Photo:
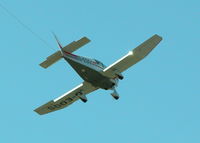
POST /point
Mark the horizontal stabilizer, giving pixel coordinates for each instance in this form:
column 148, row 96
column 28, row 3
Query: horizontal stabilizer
column 69, row 48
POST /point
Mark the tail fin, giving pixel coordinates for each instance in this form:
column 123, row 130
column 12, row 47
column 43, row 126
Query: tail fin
column 59, row 45
column 73, row 46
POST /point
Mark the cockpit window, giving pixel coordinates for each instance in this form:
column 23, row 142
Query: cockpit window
column 99, row 63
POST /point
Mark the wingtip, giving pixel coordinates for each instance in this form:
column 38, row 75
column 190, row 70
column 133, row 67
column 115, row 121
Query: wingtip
column 37, row 112
column 158, row 36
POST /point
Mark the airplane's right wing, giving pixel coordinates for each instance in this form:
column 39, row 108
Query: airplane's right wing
column 132, row 57
column 73, row 46
column 66, row 99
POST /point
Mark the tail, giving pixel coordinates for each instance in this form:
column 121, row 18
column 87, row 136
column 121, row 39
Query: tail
column 58, row 42
column 73, row 46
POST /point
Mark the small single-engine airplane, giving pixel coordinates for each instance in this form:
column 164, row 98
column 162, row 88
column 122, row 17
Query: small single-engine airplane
column 94, row 73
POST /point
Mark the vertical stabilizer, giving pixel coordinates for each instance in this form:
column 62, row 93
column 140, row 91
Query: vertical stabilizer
column 58, row 42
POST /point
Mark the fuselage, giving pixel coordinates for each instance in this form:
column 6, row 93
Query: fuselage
column 90, row 70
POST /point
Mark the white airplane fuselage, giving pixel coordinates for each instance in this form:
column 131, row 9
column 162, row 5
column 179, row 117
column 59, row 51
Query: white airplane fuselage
column 90, row 70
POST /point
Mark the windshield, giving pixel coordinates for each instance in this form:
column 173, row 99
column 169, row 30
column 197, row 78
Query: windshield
column 100, row 63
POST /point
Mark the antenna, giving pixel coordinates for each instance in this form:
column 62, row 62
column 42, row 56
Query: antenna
column 24, row 25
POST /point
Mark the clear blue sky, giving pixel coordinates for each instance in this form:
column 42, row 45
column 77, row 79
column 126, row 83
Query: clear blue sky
column 159, row 96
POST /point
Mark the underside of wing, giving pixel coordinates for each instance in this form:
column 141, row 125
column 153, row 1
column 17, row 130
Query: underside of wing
column 66, row 99
column 132, row 57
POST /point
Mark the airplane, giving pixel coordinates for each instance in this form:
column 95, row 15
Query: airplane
column 94, row 73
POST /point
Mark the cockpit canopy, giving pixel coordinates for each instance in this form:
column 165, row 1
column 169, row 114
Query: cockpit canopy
column 99, row 63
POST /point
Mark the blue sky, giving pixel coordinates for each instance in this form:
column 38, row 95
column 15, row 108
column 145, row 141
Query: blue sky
column 159, row 96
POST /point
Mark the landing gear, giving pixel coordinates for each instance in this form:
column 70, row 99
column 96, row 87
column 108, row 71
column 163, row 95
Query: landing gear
column 118, row 74
column 113, row 84
column 82, row 96
column 83, row 99
column 120, row 77
column 115, row 94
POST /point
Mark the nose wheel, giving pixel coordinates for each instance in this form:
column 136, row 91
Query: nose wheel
column 115, row 95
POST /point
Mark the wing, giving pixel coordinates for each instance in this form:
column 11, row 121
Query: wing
column 66, row 99
column 73, row 46
column 132, row 57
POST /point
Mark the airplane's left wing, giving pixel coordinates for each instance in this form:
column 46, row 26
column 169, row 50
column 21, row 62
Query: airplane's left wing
column 132, row 57
column 66, row 99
